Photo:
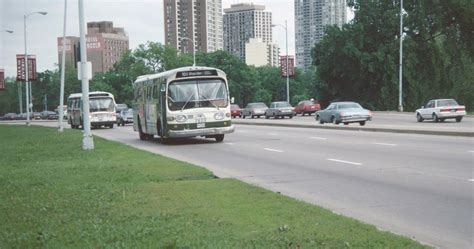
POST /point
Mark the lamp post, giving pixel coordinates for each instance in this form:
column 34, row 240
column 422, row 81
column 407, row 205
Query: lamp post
column 400, row 101
column 63, row 69
column 28, row 105
column 194, row 49
column 20, row 97
column 287, row 72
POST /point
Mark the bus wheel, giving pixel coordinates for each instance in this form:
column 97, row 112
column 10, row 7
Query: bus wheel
column 142, row 135
column 111, row 126
column 219, row 138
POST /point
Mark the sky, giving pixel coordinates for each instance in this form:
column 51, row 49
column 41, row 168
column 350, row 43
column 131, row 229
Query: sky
column 141, row 19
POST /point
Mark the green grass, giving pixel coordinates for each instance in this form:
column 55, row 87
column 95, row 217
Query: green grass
column 55, row 195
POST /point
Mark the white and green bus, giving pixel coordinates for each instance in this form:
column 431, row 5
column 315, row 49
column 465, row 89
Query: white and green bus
column 101, row 110
column 184, row 102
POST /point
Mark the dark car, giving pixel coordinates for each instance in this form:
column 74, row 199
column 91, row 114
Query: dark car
column 279, row 109
column 125, row 117
column 254, row 110
column 235, row 111
column 48, row 115
column 343, row 112
column 10, row 116
column 307, row 107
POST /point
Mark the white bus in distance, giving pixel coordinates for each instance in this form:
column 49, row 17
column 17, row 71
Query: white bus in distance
column 101, row 110
column 183, row 102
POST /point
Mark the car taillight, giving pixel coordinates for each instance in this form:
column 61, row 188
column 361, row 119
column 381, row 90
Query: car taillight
column 444, row 110
column 461, row 109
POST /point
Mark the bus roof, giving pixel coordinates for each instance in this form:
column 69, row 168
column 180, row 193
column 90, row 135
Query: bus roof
column 91, row 94
column 173, row 72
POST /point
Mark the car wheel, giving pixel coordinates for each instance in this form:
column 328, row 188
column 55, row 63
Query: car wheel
column 291, row 116
column 346, row 123
column 318, row 118
column 458, row 119
column 243, row 116
column 302, row 114
column 441, row 119
column 435, row 117
column 219, row 138
column 334, row 120
column 266, row 116
column 419, row 118
column 251, row 115
column 362, row 123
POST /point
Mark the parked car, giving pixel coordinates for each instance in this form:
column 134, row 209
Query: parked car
column 48, row 115
column 254, row 110
column 279, row 109
column 125, row 117
column 36, row 115
column 235, row 111
column 343, row 112
column 10, row 116
column 441, row 109
column 307, row 107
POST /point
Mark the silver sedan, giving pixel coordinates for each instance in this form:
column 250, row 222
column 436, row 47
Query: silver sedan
column 343, row 112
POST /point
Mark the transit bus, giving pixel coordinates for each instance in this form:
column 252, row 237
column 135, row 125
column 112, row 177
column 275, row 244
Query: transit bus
column 101, row 110
column 183, row 102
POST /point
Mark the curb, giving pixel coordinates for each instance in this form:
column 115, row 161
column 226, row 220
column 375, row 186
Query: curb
column 422, row 132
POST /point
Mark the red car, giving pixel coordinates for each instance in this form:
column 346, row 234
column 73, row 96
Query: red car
column 306, row 107
column 235, row 111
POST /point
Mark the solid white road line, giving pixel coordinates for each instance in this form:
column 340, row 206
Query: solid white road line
column 385, row 144
column 229, row 143
column 318, row 138
column 272, row 150
column 342, row 161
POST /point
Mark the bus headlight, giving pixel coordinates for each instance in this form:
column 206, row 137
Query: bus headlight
column 181, row 118
column 219, row 116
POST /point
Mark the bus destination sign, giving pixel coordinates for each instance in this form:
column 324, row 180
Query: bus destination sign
column 196, row 73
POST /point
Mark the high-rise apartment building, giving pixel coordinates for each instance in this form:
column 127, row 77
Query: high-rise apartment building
column 105, row 44
column 244, row 21
column 198, row 20
column 311, row 18
column 258, row 53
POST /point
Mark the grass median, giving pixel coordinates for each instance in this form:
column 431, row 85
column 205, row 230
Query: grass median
column 53, row 194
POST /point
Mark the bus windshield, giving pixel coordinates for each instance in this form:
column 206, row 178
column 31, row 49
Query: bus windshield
column 197, row 94
column 101, row 105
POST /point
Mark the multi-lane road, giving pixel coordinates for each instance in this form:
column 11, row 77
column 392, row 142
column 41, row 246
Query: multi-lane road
column 420, row 186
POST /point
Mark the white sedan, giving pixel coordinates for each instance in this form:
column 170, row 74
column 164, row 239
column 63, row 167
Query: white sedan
column 441, row 109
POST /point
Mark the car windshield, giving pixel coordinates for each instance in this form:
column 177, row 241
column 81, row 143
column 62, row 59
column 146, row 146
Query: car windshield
column 308, row 102
column 197, row 94
column 447, row 102
column 101, row 105
column 257, row 105
column 129, row 113
column 282, row 104
column 349, row 105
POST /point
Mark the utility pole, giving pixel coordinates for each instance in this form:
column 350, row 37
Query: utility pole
column 400, row 95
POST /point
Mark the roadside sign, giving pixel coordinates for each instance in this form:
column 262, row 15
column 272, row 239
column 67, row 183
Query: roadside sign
column 20, row 67
column 291, row 66
column 88, row 69
column 2, row 79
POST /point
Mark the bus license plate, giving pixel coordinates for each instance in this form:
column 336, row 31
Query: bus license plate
column 201, row 122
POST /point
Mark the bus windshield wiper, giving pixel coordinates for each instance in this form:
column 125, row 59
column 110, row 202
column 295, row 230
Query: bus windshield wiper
column 208, row 100
column 187, row 101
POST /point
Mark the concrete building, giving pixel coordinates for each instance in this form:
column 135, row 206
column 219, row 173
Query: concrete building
column 243, row 22
column 105, row 45
column 199, row 20
column 259, row 53
column 311, row 18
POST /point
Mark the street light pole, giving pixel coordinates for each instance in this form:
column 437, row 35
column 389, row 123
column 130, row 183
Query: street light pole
column 194, row 49
column 63, row 69
column 87, row 141
column 287, row 73
column 28, row 105
column 400, row 99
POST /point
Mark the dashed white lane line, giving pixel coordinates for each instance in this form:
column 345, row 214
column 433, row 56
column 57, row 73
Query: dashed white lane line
column 272, row 134
column 272, row 150
column 318, row 138
column 229, row 143
column 342, row 161
column 471, row 180
column 385, row 144
column 471, row 151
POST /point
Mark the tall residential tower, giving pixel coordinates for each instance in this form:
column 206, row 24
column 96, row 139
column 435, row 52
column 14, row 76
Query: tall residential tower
column 249, row 26
column 198, row 20
column 311, row 18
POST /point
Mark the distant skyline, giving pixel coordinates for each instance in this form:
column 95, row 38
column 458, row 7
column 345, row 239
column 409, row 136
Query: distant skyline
column 142, row 21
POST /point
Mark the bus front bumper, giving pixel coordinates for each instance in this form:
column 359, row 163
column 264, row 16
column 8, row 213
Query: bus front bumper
column 201, row 132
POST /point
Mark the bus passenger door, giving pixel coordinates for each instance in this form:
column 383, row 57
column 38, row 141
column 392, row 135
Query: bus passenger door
column 162, row 111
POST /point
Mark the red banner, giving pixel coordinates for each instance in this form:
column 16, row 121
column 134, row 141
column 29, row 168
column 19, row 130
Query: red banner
column 20, row 67
column 283, row 66
column 2, row 80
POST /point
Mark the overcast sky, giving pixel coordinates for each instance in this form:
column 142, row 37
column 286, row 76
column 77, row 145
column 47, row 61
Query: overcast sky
column 141, row 19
